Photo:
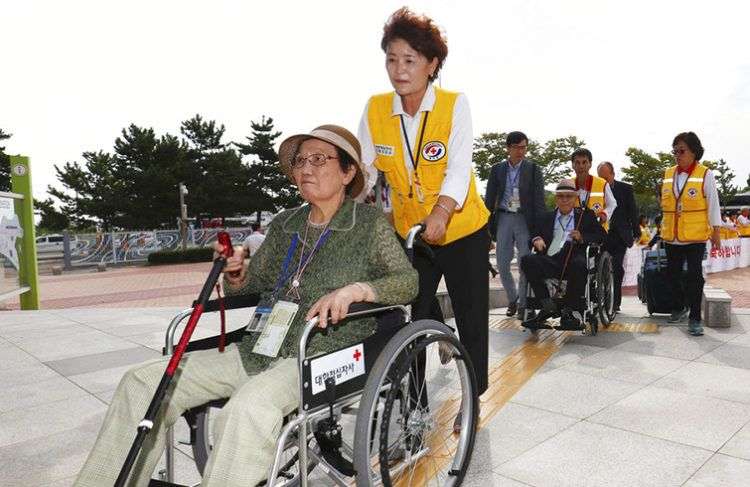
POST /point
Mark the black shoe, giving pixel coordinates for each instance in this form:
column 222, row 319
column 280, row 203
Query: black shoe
column 512, row 309
column 531, row 314
column 678, row 316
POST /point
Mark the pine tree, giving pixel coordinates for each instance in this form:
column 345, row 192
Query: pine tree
column 724, row 177
column 4, row 164
column 268, row 184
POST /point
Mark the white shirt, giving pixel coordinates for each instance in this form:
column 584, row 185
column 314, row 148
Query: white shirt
column 610, row 202
column 564, row 224
column 742, row 220
column 252, row 242
column 712, row 198
column 460, row 144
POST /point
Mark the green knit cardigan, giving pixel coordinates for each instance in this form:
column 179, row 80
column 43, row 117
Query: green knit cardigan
column 362, row 247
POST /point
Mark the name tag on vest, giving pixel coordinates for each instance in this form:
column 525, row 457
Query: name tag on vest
column 384, row 150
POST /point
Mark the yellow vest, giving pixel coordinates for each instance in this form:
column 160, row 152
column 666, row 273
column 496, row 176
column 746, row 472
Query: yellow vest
column 691, row 223
column 596, row 201
column 385, row 130
column 744, row 230
column 645, row 237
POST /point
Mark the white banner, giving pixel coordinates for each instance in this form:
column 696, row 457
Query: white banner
column 734, row 253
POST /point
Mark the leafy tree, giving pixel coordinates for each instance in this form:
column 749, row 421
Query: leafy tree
column 645, row 174
column 4, row 164
column 268, row 184
column 724, row 177
column 51, row 219
column 552, row 156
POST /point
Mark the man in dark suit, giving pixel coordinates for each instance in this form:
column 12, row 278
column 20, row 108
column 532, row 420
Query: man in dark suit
column 557, row 237
column 624, row 228
column 515, row 194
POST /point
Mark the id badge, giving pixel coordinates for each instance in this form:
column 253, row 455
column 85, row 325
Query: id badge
column 276, row 328
column 259, row 319
column 515, row 200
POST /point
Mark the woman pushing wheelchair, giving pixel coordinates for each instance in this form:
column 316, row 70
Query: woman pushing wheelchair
column 316, row 260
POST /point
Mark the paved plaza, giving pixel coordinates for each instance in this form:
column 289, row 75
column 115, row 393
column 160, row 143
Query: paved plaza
column 640, row 404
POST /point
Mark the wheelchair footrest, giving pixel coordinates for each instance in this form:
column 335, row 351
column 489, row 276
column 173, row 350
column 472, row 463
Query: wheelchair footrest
column 162, row 483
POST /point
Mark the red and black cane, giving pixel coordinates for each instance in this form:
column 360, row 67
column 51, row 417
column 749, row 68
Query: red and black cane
column 147, row 424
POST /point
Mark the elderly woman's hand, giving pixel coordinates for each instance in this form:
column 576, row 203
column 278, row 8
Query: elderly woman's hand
column 234, row 269
column 336, row 304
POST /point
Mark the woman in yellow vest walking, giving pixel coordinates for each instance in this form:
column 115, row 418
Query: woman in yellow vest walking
column 420, row 137
column 690, row 205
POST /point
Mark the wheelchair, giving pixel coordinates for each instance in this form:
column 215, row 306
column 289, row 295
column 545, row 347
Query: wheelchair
column 387, row 420
column 595, row 307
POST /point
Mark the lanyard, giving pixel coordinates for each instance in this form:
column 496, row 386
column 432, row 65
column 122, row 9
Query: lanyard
column 589, row 184
column 518, row 173
column 304, row 259
column 414, row 162
column 565, row 228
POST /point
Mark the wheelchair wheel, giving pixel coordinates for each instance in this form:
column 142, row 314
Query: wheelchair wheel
column 605, row 289
column 202, row 440
column 413, row 399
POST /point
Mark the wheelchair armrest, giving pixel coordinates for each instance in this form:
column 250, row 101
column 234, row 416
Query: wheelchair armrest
column 356, row 310
column 232, row 302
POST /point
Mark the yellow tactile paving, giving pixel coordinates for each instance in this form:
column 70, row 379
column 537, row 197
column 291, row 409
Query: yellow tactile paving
column 505, row 379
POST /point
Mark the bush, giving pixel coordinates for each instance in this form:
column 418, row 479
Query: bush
column 197, row 254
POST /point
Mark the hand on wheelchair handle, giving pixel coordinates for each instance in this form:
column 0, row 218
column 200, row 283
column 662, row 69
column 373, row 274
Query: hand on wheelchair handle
column 435, row 226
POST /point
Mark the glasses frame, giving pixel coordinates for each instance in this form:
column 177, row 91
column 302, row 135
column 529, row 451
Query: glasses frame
column 299, row 161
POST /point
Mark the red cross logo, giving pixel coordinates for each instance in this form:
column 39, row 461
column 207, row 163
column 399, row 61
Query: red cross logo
column 357, row 355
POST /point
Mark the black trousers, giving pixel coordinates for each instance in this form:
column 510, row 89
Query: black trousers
column 617, row 251
column 539, row 267
column 463, row 263
column 687, row 288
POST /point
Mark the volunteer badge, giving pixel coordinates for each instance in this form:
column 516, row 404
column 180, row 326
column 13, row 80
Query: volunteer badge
column 433, row 151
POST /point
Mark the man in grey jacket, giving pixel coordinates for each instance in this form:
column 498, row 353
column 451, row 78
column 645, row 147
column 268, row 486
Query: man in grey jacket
column 515, row 193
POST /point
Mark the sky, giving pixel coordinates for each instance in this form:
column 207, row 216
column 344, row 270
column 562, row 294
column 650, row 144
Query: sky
column 614, row 73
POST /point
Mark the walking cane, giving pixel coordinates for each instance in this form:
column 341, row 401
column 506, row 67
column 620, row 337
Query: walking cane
column 145, row 426
column 570, row 251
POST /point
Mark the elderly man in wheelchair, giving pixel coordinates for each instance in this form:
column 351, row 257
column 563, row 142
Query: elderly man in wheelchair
column 316, row 356
column 569, row 275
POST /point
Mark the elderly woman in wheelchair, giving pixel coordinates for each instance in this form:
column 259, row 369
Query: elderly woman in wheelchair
column 569, row 259
column 316, row 262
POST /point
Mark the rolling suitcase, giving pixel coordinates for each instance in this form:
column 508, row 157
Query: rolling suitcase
column 654, row 287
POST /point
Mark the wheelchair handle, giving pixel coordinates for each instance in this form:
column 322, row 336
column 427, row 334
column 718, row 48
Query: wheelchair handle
column 413, row 233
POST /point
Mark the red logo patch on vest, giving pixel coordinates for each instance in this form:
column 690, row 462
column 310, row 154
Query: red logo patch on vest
column 433, row 151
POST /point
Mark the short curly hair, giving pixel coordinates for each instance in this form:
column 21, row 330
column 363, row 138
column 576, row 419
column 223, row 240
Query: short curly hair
column 692, row 141
column 420, row 32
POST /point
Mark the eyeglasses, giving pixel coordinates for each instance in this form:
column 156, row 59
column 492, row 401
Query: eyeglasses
column 678, row 152
column 316, row 160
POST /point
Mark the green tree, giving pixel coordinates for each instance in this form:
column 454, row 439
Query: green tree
column 4, row 164
column 724, row 177
column 217, row 178
column 268, row 184
column 133, row 187
column 51, row 219
column 553, row 156
column 645, row 173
